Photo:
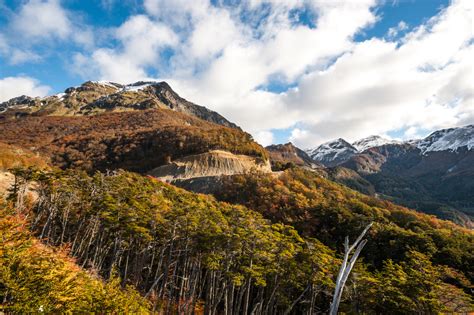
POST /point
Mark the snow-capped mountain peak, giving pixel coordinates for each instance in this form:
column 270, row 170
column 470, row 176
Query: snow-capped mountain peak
column 450, row 139
column 332, row 152
column 371, row 142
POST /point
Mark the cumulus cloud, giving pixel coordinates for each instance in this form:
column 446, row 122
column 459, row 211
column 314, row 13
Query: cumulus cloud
column 230, row 58
column 38, row 24
column 264, row 137
column 14, row 86
column 394, row 31
column 227, row 57
column 42, row 19
column 141, row 40
column 251, row 55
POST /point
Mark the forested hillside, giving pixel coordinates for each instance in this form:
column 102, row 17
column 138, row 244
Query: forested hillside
column 319, row 208
column 185, row 251
column 36, row 278
column 133, row 140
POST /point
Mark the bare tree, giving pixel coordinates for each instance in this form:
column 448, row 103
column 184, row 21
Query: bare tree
column 347, row 267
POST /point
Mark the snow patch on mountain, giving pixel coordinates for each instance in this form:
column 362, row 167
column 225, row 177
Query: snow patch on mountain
column 108, row 83
column 137, row 86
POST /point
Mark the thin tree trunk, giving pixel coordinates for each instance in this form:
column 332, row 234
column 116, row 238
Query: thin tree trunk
column 347, row 267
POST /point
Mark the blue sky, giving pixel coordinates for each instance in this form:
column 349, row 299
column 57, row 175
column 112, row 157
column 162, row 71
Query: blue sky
column 301, row 71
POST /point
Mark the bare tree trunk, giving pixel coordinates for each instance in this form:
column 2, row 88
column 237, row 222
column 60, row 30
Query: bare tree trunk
column 347, row 267
column 288, row 310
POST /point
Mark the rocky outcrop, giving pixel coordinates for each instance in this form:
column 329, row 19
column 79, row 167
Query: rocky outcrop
column 6, row 181
column 211, row 164
column 285, row 154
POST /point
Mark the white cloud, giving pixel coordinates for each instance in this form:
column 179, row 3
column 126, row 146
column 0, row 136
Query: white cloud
column 14, row 86
column 394, row 31
column 264, row 137
column 230, row 82
column 16, row 55
column 141, row 43
column 37, row 27
column 42, row 19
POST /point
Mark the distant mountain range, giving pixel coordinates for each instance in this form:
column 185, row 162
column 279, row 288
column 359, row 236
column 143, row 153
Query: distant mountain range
column 336, row 152
column 434, row 174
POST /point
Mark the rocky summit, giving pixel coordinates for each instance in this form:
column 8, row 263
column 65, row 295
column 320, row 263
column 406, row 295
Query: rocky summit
column 94, row 97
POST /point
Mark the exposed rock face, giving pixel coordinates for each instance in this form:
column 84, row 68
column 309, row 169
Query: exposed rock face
column 97, row 97
column 6, row 181
column 281, row 154
column 213, row 163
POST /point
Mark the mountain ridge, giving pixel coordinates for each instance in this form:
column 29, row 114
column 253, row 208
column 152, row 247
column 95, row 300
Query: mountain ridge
column 93, row 97
column 338, row 151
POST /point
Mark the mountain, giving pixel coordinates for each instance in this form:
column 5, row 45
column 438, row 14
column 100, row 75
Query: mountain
column 452, row 139
column 338, row 151
column 94, row 97
column 285, row 154
column 370, row 142
column 434, row 175
column 137, row 127
column 332, row 153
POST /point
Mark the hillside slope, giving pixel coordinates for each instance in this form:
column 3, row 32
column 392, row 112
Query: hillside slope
column 134, row 140
column 186, row 249
column 35, row 278
column 436, row 182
